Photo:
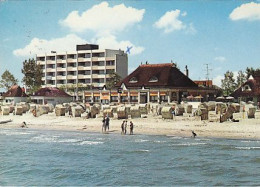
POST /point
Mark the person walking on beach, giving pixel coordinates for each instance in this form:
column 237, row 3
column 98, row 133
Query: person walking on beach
column 107, row 123
column 193, row 134
column 103, row 124
column 131, row 128
column 123, row 127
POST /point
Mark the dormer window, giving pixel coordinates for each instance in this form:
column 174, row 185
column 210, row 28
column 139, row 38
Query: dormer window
column 153, row 79
column 133, row 80
column 246, row 88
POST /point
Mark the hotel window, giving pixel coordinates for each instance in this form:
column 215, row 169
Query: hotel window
column 133, row 80
column 153, row 98
column 134, row 98
column 153, row 79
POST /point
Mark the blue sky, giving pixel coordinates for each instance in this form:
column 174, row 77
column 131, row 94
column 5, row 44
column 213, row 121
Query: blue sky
column 223, row 34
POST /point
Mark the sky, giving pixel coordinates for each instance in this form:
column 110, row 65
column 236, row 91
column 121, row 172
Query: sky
column 223, row 34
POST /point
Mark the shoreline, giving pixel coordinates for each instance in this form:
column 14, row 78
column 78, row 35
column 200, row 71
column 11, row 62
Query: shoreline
column 245, row 129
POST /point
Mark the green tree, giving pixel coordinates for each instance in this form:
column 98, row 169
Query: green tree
column 241, row 78
column 252, row 71
column 228, row 84
column 7, row 80
column 114, row 78
column 32, row 75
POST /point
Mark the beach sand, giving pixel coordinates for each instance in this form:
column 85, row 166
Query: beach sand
column 152, row 125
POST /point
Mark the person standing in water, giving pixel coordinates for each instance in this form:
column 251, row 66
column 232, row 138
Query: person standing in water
column 131, row 128
column 103, row 124
column 123, row 127
column 107, row 122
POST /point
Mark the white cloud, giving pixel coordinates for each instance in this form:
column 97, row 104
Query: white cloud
column 69, row 42
column 110, row 42
column 103, row 19
column 170, row 21
column 36, row 46
column 220, row 59
column 217, row 80
column 248, row 11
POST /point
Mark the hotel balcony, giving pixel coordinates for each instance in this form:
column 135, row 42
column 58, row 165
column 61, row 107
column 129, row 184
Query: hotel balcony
column 110, row 58
column 61, row 77
column 60, row 61
column 71, row 60
column 51, row 62
column 51, row 69
column 71, row 76
column 40, row 62
column 84, row 67
column 84, row 76
column 61, row 69
column 96, row 84
column 83, row 59
column 98, row 76
column 94, row 58
column 72, row 68
column 111, row 67
column 98, row 67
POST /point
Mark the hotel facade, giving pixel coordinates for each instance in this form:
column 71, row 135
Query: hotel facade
column 88, row 65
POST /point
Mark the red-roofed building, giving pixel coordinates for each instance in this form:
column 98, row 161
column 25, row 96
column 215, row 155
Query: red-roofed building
column 15, row 95
column 249, row 91
column 51, row 95
column 155, row 83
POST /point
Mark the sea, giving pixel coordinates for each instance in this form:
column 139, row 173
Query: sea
column 30, row 157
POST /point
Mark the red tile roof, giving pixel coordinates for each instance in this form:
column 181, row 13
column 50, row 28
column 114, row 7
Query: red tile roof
column 15, row 91
column 254, row 85
column 167, row 74
column 51, row 92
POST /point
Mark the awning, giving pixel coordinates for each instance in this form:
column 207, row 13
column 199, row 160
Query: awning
column 123, row 94
column 133, row 93
column 153, row 93
column 106, row 97
column 114, row 94
column 162, row 93
column 96, row 94
column 88, row 94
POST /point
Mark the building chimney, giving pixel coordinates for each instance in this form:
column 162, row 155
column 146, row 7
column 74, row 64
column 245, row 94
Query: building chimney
column 186, row 71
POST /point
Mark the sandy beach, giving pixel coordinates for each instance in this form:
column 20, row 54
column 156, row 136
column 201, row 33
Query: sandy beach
column 152, row 125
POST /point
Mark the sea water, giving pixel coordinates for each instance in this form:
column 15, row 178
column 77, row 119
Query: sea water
column 38, row 157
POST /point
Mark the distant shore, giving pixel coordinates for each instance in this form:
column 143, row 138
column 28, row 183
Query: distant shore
column 152, row 125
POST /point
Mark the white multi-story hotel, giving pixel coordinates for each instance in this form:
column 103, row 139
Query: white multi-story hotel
column 88, row 65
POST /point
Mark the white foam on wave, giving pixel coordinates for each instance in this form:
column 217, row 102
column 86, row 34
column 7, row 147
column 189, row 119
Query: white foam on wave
column 43, row 139
column 249, row 141
column 189, row 144
column 247, row 148
column 158, row 141
column 90, row 143
column 141, row 140
column 12, row 133
column 143, row 150
column 68, row 141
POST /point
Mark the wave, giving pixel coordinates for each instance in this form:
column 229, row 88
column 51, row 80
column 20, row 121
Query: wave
column 141, row 140
column 247, row 148
column 13, row 133
column 189, row 144
column 90, row 143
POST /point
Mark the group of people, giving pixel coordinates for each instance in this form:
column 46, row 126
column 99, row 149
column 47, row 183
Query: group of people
column 124, row 127
column 105, row 124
